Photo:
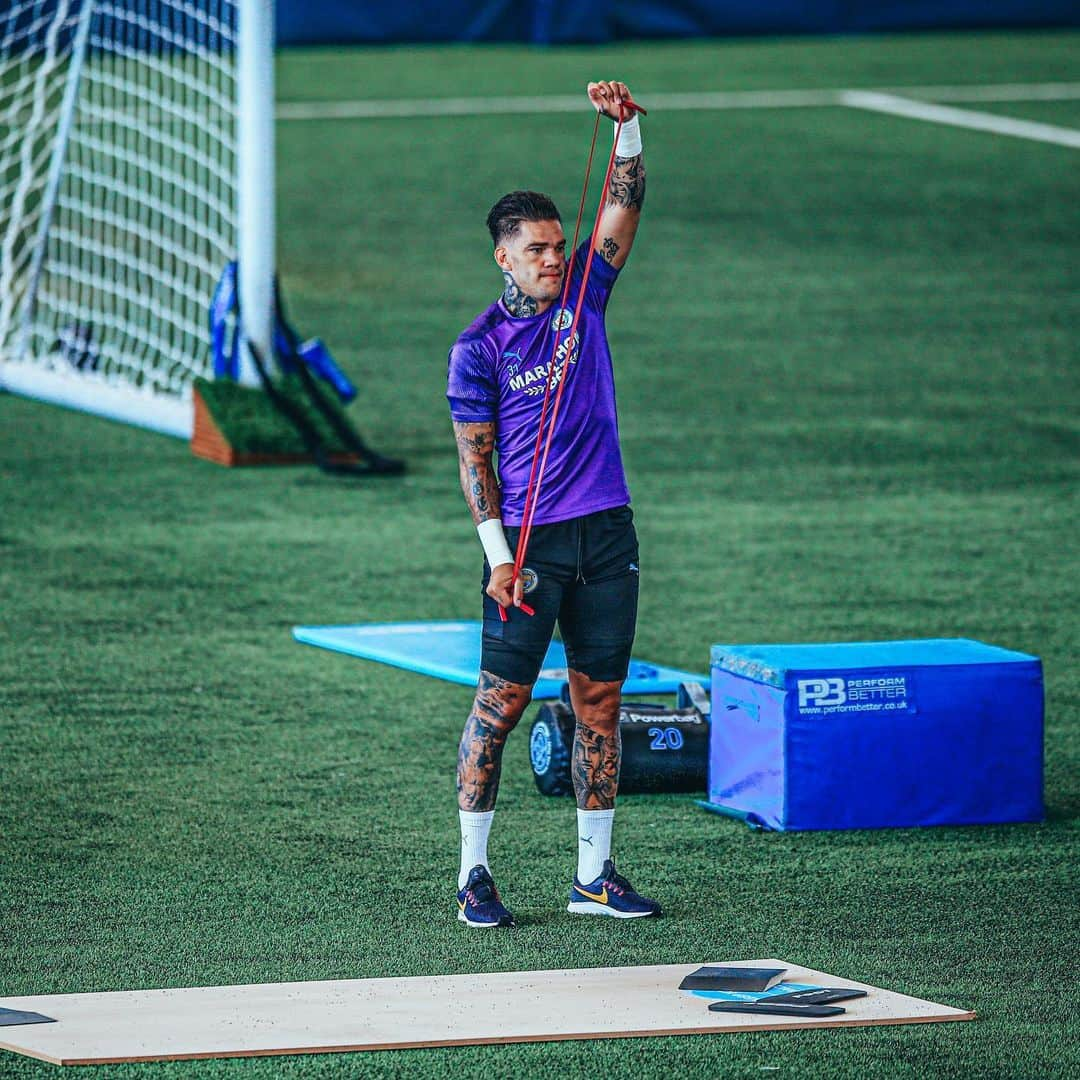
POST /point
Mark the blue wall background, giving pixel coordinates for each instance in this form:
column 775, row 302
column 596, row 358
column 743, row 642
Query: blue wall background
column 545, row 22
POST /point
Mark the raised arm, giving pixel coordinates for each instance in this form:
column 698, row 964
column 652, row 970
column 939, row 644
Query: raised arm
column 626, row 191
column 480, row 485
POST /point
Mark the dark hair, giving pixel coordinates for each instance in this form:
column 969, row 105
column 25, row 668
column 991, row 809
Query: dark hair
column 511, row 210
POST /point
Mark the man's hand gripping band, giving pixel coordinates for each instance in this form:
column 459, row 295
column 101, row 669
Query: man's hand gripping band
column 500, row 559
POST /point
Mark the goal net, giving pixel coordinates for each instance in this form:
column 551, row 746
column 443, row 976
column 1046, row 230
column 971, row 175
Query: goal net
column 118, row 199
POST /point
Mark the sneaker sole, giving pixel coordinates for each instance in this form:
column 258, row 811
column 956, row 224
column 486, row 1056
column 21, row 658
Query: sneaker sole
column 590, row 907
column 481, row 925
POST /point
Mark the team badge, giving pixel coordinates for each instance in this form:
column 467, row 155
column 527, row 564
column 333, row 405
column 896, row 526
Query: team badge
column 562, row 319
column 529, row 580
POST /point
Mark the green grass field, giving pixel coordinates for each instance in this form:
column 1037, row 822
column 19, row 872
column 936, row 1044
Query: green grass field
column 846, row 350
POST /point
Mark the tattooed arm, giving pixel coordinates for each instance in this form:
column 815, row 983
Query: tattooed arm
column 626, row 190
column 622, row 211
column 476, row 444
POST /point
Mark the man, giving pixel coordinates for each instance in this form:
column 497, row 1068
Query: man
column 582, row 559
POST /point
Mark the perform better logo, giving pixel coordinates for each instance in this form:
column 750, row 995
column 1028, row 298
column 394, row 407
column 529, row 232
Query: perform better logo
column 827, row 695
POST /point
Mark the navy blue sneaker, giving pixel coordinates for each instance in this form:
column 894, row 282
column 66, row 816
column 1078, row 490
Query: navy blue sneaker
column 610, row 894
column 479, row 904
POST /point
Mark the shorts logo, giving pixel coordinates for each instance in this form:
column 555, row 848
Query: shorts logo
column 529, row 580
column 562, row 319
column 633, row 568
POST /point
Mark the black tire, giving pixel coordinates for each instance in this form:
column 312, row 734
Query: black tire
column 663, row 749
column 550, row 740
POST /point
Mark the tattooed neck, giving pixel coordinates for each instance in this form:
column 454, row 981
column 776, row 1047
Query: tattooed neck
column 517, row 303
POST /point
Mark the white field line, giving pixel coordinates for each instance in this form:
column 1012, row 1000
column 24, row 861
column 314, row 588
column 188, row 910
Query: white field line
column 553, row 103
column 964, row 118
column 991, row 92
column 370, row 109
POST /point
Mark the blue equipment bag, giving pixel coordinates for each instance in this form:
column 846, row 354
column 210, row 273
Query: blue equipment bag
column 875, row 734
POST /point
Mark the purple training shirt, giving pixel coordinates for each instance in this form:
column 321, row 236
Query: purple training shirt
column 498, row 372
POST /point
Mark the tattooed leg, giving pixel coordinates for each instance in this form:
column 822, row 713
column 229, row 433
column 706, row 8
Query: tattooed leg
column 496, row 710
column 597, row 742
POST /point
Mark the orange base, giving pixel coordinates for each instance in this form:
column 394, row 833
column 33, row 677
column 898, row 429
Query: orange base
column 209, row 443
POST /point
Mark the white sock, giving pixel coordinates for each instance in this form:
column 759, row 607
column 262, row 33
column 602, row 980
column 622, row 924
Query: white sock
column 594, row 843
column 474, row 836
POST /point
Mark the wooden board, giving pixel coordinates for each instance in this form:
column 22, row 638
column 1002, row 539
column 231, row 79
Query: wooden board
column 440, row 1010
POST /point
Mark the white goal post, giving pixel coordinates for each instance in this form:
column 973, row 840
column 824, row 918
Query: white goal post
column 136, row 160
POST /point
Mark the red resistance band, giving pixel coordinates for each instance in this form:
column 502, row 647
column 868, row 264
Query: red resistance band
column 543, row 446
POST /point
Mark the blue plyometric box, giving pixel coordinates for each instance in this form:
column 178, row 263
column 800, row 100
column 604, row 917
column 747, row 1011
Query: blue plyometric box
column 874, row 734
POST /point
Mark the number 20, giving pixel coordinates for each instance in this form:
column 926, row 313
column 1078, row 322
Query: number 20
column 665, row 738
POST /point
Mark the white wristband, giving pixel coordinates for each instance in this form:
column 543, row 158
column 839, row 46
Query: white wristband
column 493, row 538
column 629, row 144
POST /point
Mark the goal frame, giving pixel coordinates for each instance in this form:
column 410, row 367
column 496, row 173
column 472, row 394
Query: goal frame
column 114, row 398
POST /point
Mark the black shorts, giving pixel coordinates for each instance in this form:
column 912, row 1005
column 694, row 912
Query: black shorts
column 582, row 573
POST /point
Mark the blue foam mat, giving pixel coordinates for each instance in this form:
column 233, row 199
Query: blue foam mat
column 451, row 651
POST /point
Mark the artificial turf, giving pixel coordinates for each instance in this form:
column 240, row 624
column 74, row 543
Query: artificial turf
column 250, row 421
column 847, row 371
